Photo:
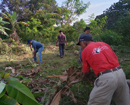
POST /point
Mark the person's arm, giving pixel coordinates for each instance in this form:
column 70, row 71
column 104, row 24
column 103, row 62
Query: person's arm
column 57, row 41
column 85, row 75
column 85, row 66
column 31, row 47
column 66, row 41
column 34, row 53
column 34, row 47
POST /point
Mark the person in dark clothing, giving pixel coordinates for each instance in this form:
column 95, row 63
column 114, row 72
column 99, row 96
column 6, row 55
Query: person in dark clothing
column 62, row 40
column 86, row 32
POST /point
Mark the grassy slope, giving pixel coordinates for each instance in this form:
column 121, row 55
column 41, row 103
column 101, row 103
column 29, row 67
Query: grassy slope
column 54, row 65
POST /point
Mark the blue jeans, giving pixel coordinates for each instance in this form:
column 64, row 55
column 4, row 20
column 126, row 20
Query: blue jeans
column 61, row 49
column 39, row 54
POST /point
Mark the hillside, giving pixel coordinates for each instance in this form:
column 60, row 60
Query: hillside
column 19, row 57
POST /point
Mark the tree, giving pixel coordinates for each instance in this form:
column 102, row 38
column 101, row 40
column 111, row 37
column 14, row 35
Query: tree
column 70, row 10
column 97, row 25
column 122, row 27
column 47, row 19
column 80, row 25
column 116, row 12
column 13, row 21
column 25, row 9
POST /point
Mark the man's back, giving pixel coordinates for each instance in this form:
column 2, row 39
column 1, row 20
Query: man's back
column 100, row 57
column 36, row 44
column 61, row 38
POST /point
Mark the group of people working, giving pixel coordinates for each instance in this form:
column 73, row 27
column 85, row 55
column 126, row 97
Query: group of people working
column 38, row 47
column 111, row 80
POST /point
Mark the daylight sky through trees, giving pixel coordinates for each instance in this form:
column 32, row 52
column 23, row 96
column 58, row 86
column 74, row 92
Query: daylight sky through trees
column 97, row 7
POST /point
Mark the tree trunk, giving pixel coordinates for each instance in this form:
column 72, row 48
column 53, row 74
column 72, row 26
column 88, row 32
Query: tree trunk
column 15, row 36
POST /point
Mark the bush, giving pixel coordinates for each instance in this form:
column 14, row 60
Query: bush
column 122, row 27
column 109, row 37
column 3, row 48
column 9, row 46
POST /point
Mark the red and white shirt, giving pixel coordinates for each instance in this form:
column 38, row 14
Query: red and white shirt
column 99, row 56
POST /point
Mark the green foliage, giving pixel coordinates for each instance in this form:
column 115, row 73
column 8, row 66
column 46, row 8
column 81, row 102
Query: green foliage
column 3, row 48
column 31, row 31
column 27, row 8
column 72, row 32
column 109, row 37
column 6, row 100
column 44, row 18
column 2, row 28
column 122, row 27
column 118, row 19
column 2, row 86
column 3, row 93
column 97, row 26
column 9, row 46
column 24, row 96
column 115, row 12
column 12, row 18
column 39, row 30
column 16, row 91
column 71, row 9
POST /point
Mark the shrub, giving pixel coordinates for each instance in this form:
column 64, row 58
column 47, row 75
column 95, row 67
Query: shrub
column 3, row 48
column 109, row 37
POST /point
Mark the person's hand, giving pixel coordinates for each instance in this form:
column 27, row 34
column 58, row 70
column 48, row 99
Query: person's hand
column 66, row 48
column 33, row 57
column 85, row 75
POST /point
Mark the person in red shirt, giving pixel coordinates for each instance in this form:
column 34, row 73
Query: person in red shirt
column 111, row 81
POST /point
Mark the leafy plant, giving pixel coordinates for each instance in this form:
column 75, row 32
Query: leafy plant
column 13, row 21
column 109, row 37
column 13, row 92
column 32, row 64
column 2, row 28
column 12, row 18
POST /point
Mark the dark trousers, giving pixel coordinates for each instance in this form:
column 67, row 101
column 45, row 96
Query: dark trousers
column 80, row 58
column 61, row 49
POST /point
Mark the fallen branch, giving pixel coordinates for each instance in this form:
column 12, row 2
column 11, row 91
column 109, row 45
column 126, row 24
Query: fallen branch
column 53, row 76
column 69, row 78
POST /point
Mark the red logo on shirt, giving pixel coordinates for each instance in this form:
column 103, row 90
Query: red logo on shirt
column 98, row 50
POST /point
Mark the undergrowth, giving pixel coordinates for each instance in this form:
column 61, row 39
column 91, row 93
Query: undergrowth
column 14, row 55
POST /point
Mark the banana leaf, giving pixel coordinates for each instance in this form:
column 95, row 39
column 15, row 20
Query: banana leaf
column 2, row 86
column 14, row 17
column 6, row 100
column 2, row 30
column 2, row 74
column 20, row 93
column 3, row 22
column 2, row 93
